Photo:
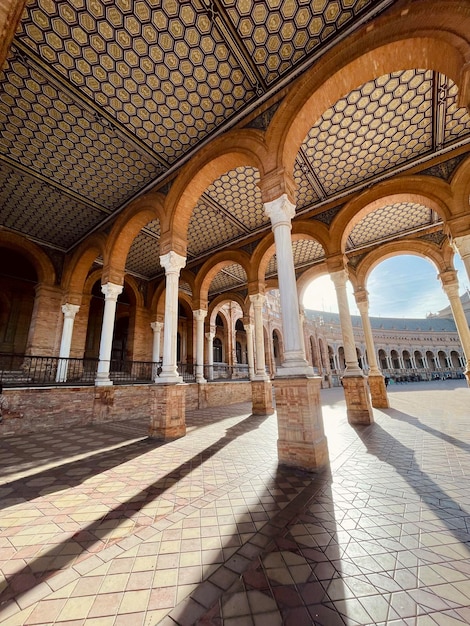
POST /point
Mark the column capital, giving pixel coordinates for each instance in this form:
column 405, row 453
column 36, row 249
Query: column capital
column 172, row 262
column 361, row 296
column 200, row 315
column 210, row 336
column 156, row 326
column 70, row 310
column 111, row 290
column 461, row 245
column 339, row 277
column 257, row 299
column 248, row 328
column 280, row 211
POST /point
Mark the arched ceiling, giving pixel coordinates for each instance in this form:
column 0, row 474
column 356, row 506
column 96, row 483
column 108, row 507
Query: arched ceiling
column 101, row 101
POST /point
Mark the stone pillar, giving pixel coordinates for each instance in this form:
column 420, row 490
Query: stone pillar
column 281, row 211
column 210, row 355
column 111, row 293
column 172, row 262
column 200, row 316
column 69, row 311
column 462, row 247
column 450, row 284
column 376, row 380
column 359, row 409
column 249, row 350
column 168, row 412
column 157, row 334
column 257, row 300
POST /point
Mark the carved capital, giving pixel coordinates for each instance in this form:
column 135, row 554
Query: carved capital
column 172, row 262
column 280, row 211
column 70, row 310
column 111, row 291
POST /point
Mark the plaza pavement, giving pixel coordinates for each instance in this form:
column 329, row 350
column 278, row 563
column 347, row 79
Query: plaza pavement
column 100, row 526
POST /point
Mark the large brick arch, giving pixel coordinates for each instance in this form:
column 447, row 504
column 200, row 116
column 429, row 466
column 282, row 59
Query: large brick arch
column 78, row 267
column 441, row 258
column 429, row 34
column 37, row 257
column 210, row 269
column 460, row 186
column 425, row 190
column 234, row 149
column 127, row 226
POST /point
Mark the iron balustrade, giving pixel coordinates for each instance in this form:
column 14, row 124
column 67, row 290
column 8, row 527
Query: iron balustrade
column 223, row 371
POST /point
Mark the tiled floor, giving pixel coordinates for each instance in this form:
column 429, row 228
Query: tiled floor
column 100, row 526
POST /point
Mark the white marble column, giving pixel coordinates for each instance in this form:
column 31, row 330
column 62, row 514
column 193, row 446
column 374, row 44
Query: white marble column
column 111, row 292
column 69, row 311
column 450, row 284
column 339, row 279
column 200, row 316
column 172, row 262
column 249, row 350
column 462, row 247
column 362, row 302
column 281, row 211
column 157, row 334
column 210, row 354
column 257, row 300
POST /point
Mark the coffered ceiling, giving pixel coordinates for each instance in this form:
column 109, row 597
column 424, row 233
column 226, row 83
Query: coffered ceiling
column 102, row 100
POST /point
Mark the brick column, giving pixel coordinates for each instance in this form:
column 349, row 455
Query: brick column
column 168, row 411
column 378, row 390
column 359, row 409
column 111, row 293
column 43, row 337
column 69, row 311
column 172, row 262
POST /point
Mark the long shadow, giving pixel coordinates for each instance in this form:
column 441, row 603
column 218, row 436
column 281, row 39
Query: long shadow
column 388, row 449
column 31, row 575
column 414, row 421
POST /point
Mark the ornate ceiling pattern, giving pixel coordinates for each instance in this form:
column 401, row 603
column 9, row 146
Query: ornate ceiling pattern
column 102, row 100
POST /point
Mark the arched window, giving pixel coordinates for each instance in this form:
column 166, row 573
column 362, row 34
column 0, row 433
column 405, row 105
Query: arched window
column 217, row 350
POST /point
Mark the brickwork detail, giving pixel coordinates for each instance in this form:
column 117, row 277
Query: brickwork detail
column 168, row 412
column 302, row 442
column 359, row 409
column 378, row 392
column 262, row 397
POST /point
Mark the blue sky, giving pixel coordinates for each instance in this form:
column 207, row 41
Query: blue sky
column 402, row 286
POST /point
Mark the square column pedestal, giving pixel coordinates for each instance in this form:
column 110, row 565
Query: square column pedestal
column 358, row 406
column 302, row 442
column 168, row 412
column 378, row 392
column 262, row 397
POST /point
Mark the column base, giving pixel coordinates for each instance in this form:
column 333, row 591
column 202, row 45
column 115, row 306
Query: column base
column 262, row 397
column 168, row 412
column 103, row 382
column 302, row 442
column 378, row 391
column 358, row 407
column 169, row 379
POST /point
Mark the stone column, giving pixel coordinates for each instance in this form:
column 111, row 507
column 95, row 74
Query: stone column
column 111, row 293
column 249, row 350
column 200, row 316
column 69, row 311
column 281, row 211
column 172, row 262
column 157, row 334
column 359, row 409
column 210, row 354
column 257, row 300
column 377, row 386
column 462, row 247
column 450, row 284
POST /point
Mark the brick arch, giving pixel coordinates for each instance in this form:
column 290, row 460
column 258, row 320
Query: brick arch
column 36, row 256
column 125, row 229
column 399, row 42
column 233, row 149
column 212, row 266
column 91, row 280
column 441, row 258
column 78, row 267
column 426, row 190
column 225, row 298
column 133, row 286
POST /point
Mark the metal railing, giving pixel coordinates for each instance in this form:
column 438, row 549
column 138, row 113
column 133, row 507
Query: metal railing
column 19, row 370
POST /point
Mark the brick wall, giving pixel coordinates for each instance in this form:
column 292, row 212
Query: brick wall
column 33, row 410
